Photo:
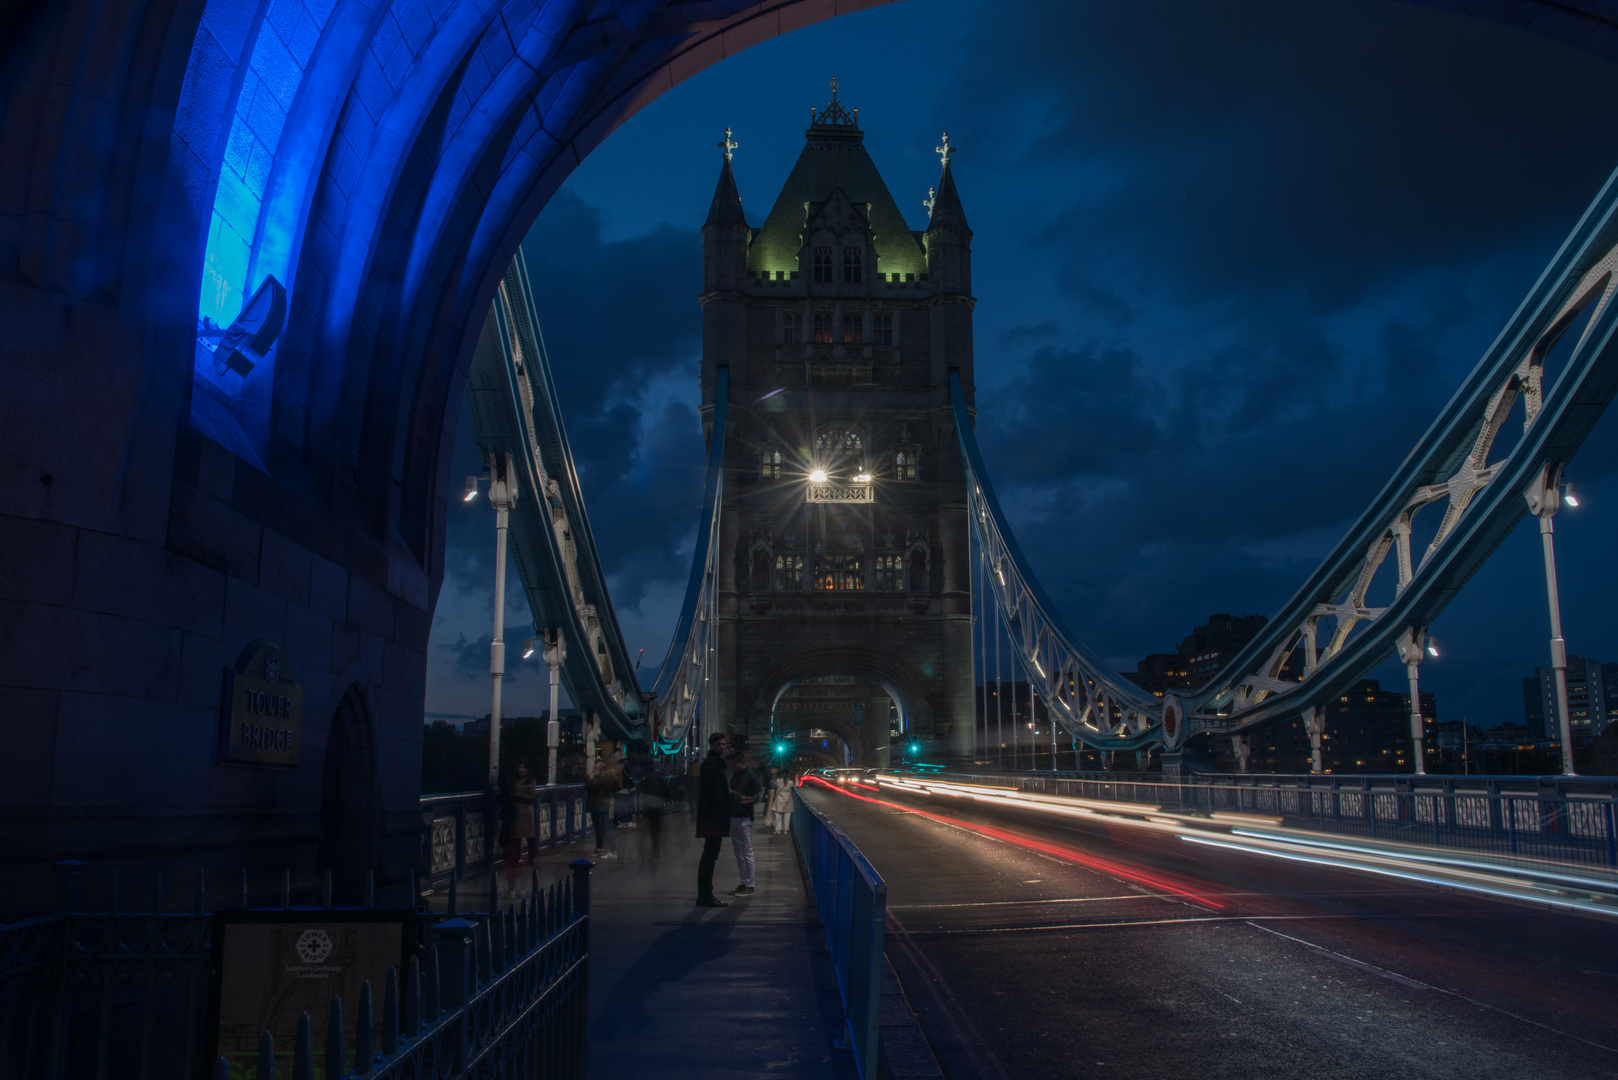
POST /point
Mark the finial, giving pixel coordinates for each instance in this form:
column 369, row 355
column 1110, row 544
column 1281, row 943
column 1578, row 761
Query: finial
column 928, row 201
column 727, row 146
column 944, row 151
column 834, row 88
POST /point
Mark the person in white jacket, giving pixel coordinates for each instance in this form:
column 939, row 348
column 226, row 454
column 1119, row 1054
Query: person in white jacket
column 781, row 805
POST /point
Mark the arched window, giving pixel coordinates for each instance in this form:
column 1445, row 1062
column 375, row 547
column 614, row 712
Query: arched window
column 843, row 570
column 792, row 328
column 852, row 265
column 823, row 327
column 904, row 464
column 853, row 329
column 788, row 573
column 882, row 329
column 890, row 570
column 823, row 265
column 838, row 439
column 769, row 464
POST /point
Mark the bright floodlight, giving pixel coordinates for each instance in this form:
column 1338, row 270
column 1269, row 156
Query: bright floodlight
column 915, row 748
column 471, row 489
column 527, row 648
column 863, row 478
column 1432, row 646
column 1572, row 495
column 817, row 476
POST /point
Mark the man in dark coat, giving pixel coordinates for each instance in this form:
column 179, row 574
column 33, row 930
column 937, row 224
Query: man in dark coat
column 713, row 815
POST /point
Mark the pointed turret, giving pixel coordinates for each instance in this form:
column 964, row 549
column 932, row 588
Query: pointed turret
column 725, row 239
column 948, row 237
column 725, row 235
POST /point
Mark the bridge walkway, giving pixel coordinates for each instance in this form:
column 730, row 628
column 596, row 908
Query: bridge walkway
column 678, row 991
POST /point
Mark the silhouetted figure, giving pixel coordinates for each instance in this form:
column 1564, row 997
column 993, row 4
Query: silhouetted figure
column 713, row 816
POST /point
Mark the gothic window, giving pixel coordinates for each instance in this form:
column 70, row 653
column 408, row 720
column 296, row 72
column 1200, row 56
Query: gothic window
column 838, row 440
column 761, row 570
column 788, row 573
column 823, row 327
column 841, row 571
column 769, row 464
column 882, row 329
column 918, row 571
column 853, row 329
column 852, row 265
column 823, row 265
column 904, row 463
column 792, row 328
column 890, row 573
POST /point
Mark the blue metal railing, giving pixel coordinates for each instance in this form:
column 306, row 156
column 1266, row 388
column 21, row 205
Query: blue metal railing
column 853, row 903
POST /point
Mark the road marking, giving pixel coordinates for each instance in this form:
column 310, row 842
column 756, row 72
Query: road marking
column 1349, row 960
column 1014, row 903
column 1427, row 986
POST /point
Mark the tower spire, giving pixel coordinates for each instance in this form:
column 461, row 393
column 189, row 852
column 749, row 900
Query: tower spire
column 726, row 208
column 944, row 209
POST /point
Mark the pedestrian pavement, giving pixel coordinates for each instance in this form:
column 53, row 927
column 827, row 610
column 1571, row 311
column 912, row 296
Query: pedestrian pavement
column 678, row 991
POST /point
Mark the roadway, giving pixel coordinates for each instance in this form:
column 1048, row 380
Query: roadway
column 1032, row 947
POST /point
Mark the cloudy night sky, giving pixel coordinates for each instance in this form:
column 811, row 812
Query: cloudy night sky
column 1230, row 262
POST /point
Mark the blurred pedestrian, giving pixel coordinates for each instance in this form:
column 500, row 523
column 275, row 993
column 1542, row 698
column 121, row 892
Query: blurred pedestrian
column 713, row 815
column 519, row 824
column 781, row 805
column 744, row 792
column 654, row 796
column 602, row 790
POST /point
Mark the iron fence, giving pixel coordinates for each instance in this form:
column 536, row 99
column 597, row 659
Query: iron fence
column 1564, row 821
column 461, row 830
column 853, row 903
column 113, row 995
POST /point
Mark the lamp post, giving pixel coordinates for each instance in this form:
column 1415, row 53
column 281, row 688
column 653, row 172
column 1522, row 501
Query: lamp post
column 1412, row 647
column 502, row 496
column 555, row 656
column 1544, row 497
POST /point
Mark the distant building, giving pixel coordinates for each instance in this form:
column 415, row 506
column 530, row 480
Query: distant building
column 1201, row 654
column 1592, row 700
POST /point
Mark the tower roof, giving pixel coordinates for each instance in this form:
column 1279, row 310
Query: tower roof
column 834, row 157
column 726, row 208
column 947, row 212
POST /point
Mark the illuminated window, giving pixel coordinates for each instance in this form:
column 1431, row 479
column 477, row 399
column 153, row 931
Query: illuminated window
column 837, row 440
column 852, row 265
column 769, row 465
column 882, row 329
column 853, row 330
column 823, row 265
column 792, row 328
column 844, row 571
column 788, row 573
column 823, row 327
column 890, row 573
column 904, row 464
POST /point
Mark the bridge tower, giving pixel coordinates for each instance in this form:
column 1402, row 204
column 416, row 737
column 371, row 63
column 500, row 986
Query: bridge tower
column 844, row 591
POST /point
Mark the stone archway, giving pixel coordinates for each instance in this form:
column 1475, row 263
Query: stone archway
column 348, row 817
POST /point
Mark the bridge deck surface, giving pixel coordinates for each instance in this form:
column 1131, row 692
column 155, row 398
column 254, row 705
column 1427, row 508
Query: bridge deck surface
column 1045, row 949
column 678, row 991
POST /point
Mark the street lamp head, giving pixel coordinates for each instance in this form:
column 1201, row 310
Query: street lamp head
column 471, row 489
column 817, row 476
column 1571, row 493
column 862, row 478
column 527, row 647
column 1432, row 647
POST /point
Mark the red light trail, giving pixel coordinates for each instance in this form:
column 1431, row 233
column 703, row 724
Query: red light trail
column 1105, row 866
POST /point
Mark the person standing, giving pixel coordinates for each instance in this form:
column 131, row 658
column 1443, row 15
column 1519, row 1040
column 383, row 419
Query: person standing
column 781, row 805
column 654, row 796
column 602, row 790
column 520, row 815
column 744, row 793
column 713, row 816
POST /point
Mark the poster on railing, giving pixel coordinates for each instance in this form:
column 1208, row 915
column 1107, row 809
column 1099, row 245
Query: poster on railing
column 270, row 966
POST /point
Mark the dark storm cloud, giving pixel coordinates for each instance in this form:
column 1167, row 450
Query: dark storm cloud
column 471, row 658
column 1307, row 148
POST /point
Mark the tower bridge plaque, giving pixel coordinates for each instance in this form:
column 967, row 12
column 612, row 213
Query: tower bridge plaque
column 261, row 709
